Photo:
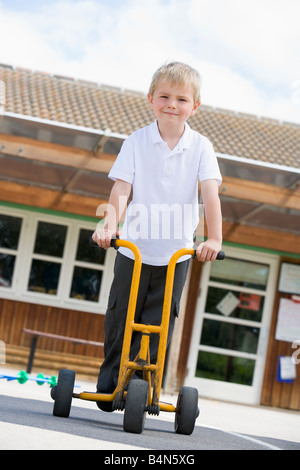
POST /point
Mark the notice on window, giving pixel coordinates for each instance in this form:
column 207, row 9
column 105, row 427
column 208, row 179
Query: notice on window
column 228, row 304
column 289, row 281
column 288, row 322
column 250, row 301
column 286, row 369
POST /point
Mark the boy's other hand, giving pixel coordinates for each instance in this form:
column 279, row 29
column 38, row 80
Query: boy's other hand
column 208, row 250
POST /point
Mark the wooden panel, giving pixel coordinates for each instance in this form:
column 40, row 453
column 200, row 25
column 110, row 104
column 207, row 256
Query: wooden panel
column 100, row 162
column 261, row 192
column 275, row 393
column 49, row 199
column 35, row 173
column 50, row 362
column 262, row 238
column 14, row 316
column 55, row 154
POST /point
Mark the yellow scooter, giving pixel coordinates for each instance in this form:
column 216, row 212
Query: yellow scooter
column 136, row 397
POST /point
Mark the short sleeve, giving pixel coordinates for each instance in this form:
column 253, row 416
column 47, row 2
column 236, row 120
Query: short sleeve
column 123, row 167
column 208, row 165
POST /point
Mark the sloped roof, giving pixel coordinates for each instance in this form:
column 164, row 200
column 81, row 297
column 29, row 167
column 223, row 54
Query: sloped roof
column 87, row 104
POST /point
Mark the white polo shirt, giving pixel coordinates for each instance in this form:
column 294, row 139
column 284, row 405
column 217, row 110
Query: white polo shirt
column 163, row 213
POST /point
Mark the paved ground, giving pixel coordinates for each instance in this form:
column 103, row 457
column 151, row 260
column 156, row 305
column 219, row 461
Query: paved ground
column 26, row 422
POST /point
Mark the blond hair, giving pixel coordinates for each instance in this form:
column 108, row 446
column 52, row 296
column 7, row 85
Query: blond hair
column 177, row 73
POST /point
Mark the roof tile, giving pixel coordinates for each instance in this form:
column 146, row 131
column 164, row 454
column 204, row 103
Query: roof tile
column 88, row 104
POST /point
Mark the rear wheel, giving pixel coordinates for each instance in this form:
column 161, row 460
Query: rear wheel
column 62, row 393
column 186, row 410
column 135, row 406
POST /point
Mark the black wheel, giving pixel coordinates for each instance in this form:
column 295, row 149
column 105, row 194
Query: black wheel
column 135, row 405
column 63, row 393
column 186, row 410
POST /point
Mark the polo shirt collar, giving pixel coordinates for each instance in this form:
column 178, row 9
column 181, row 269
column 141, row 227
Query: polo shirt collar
column 184, row 142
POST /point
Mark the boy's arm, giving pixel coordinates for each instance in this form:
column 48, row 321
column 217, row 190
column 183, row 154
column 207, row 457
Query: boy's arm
column 208, row 250
column 117, row 203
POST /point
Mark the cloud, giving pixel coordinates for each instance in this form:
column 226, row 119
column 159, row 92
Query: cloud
column 23, row 45
column 258, row 37
column 247, row 52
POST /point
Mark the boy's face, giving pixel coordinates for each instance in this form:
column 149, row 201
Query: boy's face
column 173, row 103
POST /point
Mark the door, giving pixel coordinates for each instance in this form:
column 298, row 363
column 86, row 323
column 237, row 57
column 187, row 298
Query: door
column 231, row 329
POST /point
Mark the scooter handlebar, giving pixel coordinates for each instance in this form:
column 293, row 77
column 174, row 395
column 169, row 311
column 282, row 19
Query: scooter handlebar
column 220, row 256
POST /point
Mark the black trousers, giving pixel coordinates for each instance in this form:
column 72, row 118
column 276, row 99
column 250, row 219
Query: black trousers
column 148, row 311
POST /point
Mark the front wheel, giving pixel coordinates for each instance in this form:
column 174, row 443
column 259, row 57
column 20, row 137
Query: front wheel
column 62, row 393
column 135, row 406
column 186, row 410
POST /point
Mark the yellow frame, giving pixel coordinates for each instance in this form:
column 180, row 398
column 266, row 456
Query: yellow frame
column 142, row 360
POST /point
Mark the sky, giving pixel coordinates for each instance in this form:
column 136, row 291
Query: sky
column 247, row 51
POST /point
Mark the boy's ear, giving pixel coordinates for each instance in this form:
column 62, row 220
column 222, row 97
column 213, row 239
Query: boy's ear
column 196, row 106
column 150, row 98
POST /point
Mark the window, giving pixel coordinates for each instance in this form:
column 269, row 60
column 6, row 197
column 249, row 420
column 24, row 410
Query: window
column 88, row 269
column 47, row 259
column 10, row 228
column 231, row 326
column 232, row 320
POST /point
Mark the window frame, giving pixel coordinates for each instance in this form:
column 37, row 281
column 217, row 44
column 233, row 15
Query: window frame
column 230, row 390
column 25, row 254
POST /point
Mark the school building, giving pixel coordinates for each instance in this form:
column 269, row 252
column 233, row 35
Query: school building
column 237, row 332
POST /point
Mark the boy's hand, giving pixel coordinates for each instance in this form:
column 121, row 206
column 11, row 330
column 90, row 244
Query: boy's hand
column 103, row 237
column 208, row 250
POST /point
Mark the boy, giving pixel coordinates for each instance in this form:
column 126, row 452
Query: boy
column 161, row 164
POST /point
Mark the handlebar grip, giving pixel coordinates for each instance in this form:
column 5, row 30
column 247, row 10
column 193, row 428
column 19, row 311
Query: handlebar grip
column 221, row 255
column 112, row 243
column 92, row 243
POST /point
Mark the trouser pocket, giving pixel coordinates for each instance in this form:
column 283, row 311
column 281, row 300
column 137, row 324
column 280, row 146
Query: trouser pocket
column 110, row 323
